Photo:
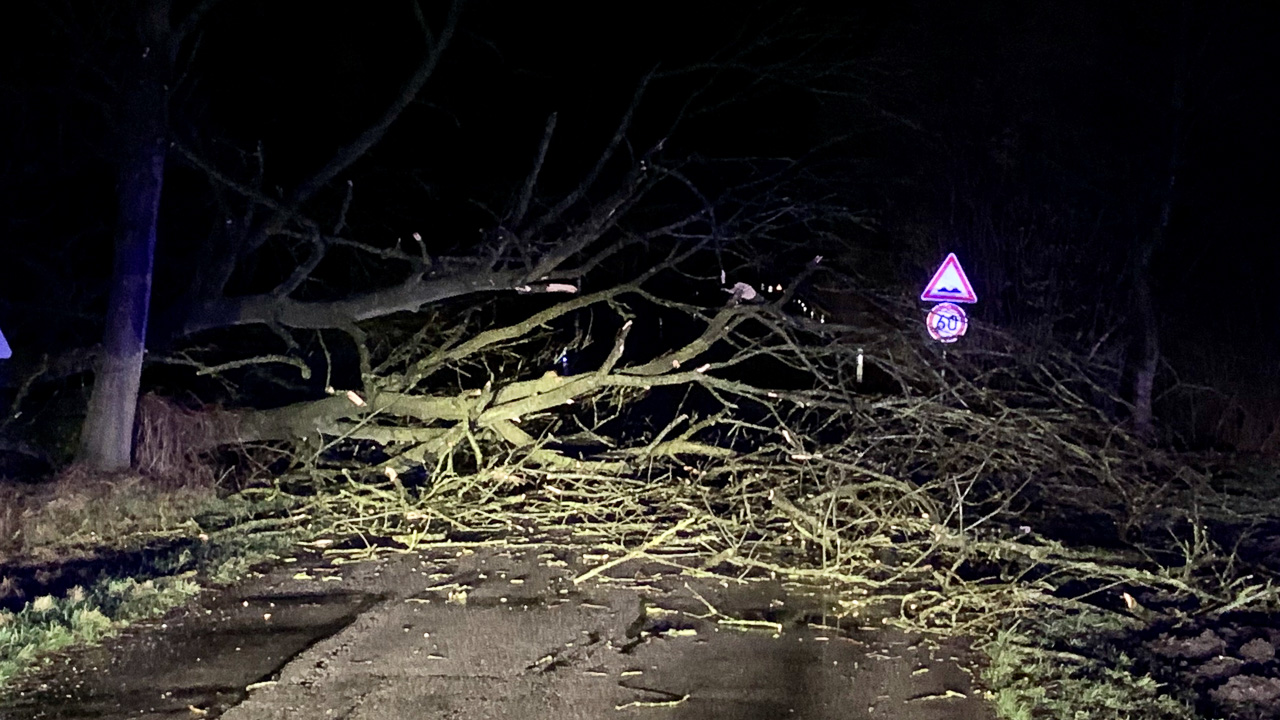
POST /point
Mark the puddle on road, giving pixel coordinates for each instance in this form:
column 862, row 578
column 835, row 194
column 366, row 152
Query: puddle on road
column 771, row 649
column 752, row 675
column 203, row 659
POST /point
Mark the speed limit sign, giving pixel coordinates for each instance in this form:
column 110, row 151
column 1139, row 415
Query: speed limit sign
column 947, row 322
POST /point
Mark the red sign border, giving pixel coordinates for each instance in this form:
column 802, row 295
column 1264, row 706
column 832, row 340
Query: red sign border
column 952, row 261
column 964, row 323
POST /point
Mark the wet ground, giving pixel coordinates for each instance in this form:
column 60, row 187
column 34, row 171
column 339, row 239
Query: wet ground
column 504, row 631
column 1230, row 664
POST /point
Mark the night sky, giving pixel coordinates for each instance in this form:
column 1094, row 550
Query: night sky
column 954, row 126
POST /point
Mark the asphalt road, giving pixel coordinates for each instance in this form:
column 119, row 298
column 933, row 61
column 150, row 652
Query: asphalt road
column 503, row 631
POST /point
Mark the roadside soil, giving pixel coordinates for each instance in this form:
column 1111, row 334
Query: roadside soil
column 502, row 630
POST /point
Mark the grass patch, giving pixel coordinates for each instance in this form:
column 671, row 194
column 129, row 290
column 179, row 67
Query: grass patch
column 85, row 616
column 78, row 509
column 174, row 534
column 1074, row 666
column 48, row 624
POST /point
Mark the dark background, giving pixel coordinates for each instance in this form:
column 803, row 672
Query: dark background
column 1033, row 138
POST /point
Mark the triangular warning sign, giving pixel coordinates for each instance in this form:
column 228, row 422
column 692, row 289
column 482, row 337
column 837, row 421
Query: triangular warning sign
column 949, row 284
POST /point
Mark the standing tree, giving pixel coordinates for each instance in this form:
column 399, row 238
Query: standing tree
column 1147, row 322
column 146, row 74
column 146, row 67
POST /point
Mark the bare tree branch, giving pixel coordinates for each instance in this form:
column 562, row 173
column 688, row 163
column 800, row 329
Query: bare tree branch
column 409, row 296
column 193, row 20
column 304, row 269
column 589, row 180
column 347, row 155
column 531, row 182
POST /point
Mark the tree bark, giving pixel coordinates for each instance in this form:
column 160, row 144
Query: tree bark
column 106, row 440
column 1148, row 340
column 1148, row 331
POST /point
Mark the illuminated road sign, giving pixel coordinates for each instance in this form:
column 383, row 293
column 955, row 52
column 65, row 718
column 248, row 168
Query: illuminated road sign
column 947, row 322
column 949, row 284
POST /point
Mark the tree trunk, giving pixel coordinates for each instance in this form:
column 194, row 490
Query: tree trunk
column 106, row 440
column 1148, row 331
column 1148, row 338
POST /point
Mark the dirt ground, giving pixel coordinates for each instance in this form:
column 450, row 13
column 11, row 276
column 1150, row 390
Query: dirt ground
column 503, row 631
